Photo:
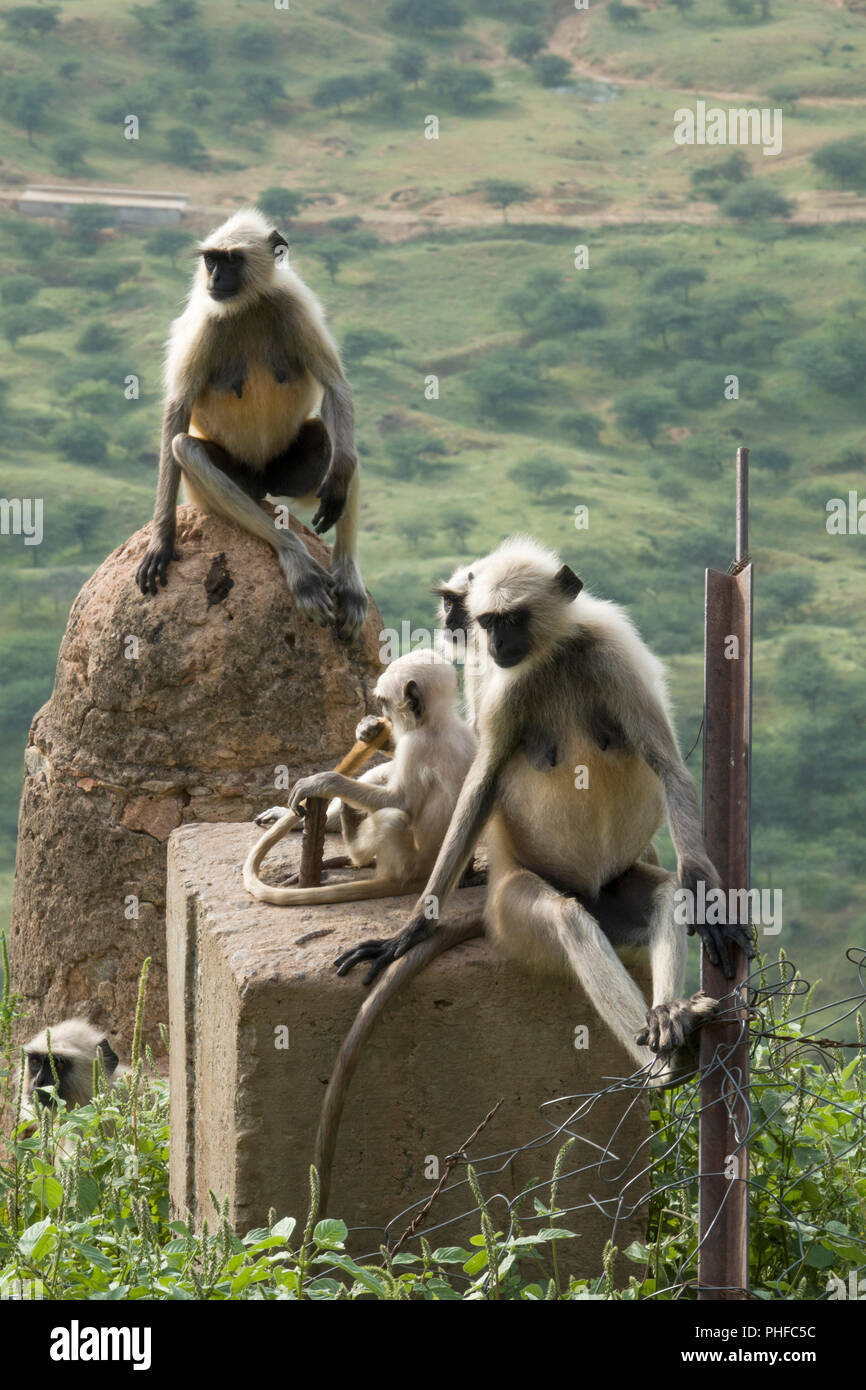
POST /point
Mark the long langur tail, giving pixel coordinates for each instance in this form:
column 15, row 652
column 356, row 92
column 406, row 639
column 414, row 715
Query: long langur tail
column 354, row 890
column 361, row 751
column 401, row 972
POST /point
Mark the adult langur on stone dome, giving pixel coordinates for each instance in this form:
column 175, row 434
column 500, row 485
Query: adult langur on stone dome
column 257, row 405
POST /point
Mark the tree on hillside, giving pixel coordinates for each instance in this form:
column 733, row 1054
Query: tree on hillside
column 361, row 343
column 97, row 337
column 31, row 21
column 283, row 204
column 714, row 178
column 460, row 84
column 413, row 452
column 581, row 427
column 540, row 475
column 768, row 456
column 551, row 70
column 169, row 242
column 844, row 162
column 641, row 414
column 618, row 13
column 19, row 289
column 84, row 518
column 253, row 41
column 457, row 522
column 426, row 16
column 86, row 222
column 25, row 101
column 505, row 386
column 804, row 672
column 22, row 321
column 755, row 202
column 34, row 239
column 409, row 63
column 526, row 43
column 166, row 13
column 336, row 91
column 70, row 151
column 502, row 193
column 262, row 91
column 639, row 258
column 523, row 300
column 334, row 251
column 185, row 146
column 677, row 279
column 84, row 441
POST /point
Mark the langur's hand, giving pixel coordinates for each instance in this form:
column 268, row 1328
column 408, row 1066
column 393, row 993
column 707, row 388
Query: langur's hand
column 714, row 935
column 382, row 953
column 369, row 728
column 332, row 496
column 155, row 565
column 307, row 789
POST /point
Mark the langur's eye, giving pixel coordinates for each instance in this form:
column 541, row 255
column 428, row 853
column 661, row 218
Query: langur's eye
column 209, row 262
column 34, row 1064
column 448, row 604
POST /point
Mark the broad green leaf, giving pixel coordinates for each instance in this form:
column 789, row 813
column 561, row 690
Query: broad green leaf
column 330, row 1235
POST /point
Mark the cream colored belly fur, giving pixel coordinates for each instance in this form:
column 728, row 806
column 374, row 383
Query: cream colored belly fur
column 262, row 423
column 580, row 837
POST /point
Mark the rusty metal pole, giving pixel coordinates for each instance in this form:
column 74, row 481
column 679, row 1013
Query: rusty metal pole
column 723, row 1257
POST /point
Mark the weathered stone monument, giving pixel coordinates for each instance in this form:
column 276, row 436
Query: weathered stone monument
column 166, row 710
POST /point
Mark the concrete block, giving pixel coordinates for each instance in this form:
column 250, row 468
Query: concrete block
column 245, row 978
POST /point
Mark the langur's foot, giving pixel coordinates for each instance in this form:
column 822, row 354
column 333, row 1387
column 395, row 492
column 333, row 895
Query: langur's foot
column 312, row 589
column 155, row 566
column 350, row 598
column 674, row 1068
column 668, row 1026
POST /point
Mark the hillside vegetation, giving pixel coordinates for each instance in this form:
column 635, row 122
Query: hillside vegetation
column 558, row 387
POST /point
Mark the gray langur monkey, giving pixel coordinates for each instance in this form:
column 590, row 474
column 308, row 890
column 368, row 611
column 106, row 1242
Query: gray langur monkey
column 249, row 363
column 571, row 686
column 395, row 815
column 462, row 638
column 68, row 1050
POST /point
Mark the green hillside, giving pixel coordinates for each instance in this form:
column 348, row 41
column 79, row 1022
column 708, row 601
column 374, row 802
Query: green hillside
column 558, row 386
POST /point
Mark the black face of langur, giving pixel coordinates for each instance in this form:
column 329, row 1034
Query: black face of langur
column 40, row 1074
column 227, row 271
column 510, row 633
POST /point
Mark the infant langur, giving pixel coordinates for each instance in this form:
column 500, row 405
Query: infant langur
column 395, row 815
column 62, row 1058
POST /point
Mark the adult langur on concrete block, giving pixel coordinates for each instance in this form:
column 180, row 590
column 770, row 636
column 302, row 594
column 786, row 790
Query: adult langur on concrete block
column 570, row 688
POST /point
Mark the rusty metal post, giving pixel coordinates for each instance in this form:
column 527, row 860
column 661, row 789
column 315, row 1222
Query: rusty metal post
column 723, row 1257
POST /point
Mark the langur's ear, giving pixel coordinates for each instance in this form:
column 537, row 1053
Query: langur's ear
column 412, row 699
column 110, row 1058
column 276, row 240
column 567, row 582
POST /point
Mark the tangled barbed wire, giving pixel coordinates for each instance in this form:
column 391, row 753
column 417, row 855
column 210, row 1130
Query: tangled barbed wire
column 804, row 1108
